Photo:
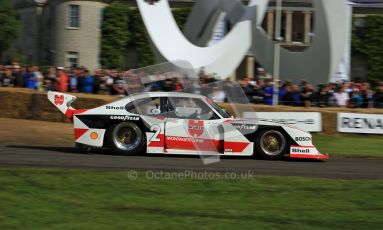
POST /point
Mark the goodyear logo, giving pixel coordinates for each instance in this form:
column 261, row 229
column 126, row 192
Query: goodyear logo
column 245, row 127
column 124, row 118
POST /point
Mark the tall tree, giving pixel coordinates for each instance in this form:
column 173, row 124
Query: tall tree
column 368, row 41
column 115, row 35
column 10, row 26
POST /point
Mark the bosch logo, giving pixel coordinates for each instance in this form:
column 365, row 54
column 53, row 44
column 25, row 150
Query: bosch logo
column 303, row 139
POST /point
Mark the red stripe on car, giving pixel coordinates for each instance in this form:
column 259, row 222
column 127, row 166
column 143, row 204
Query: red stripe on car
column 79, row 132
column 70, row 112
column 310, row 156
column 191, row 143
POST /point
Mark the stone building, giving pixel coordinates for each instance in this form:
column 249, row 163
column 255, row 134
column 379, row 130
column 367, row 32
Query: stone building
column 68, row 32
column 61, row 32
column 297, row 31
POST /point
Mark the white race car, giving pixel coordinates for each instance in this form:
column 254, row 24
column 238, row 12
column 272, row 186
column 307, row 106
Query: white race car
column 181, row 123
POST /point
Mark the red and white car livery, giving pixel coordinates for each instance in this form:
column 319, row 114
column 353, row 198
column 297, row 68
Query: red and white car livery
column 180, row 123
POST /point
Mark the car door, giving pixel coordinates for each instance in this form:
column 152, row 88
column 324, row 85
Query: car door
column 152, row 114
column 192, row 127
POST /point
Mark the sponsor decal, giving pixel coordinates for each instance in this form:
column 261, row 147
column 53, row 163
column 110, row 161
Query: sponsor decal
column 244, row 126
column 109, row 107
column 184, row 139
column 306, row 152
column 302, row 138
column 360, row 123
column 307, row 121
column 303, row 150
column 59, row 99
column 300, row 150
column 201, row 144
column 291, row 121
column 195, row 128
column 93, row 136
column 124, row 118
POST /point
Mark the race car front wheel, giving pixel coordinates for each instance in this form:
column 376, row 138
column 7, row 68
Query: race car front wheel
column 126, row 138
column 271, row 145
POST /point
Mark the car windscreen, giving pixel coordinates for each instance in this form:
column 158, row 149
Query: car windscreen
column 145, row 106
column 189, row 108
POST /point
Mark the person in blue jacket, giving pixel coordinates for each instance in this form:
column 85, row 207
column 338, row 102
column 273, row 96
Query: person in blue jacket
column 87, row 82
column 269, row 90
column 29, row 78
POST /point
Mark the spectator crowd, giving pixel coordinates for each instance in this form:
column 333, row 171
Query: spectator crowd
column 258, row 90
column 340, row 94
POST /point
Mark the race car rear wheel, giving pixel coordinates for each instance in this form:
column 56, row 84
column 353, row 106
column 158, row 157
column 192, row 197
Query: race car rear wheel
column 271, row 145
column 126, row 138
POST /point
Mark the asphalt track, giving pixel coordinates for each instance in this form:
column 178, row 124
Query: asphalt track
column 67, row 157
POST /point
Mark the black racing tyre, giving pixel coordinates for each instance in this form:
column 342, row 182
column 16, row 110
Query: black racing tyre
column 271, row 145
column 126, row 138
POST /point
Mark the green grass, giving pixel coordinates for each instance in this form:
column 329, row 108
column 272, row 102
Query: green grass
column 349, row 145
column 69, row 199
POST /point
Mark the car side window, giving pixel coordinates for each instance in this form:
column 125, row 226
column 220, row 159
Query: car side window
column 146, row 106
column 189, row 108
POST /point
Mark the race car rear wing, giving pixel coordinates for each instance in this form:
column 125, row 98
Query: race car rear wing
column 63, row 101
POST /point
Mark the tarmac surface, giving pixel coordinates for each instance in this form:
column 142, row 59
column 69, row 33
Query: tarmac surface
column 66, row 157
column 28, row 143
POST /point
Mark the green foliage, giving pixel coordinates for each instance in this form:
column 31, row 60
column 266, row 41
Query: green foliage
column 115, row 35
column 181, row 16
column 122, row 27
column 10, row 26
column 141, row 40
column 368, row 40
column 15, row 55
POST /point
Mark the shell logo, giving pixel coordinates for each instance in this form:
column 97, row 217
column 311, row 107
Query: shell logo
column 93, row 136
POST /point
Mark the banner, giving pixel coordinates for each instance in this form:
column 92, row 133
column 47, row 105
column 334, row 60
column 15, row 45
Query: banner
column 360, row 123
column 344, row 68
column 308, row 121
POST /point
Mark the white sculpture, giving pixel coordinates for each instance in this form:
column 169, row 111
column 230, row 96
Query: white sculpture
column 317, row 63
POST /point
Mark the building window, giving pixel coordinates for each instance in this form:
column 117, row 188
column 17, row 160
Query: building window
column 72, row 59
column 74, row 16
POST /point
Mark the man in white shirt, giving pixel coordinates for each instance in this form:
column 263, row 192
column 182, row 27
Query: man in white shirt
column 342, row 97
